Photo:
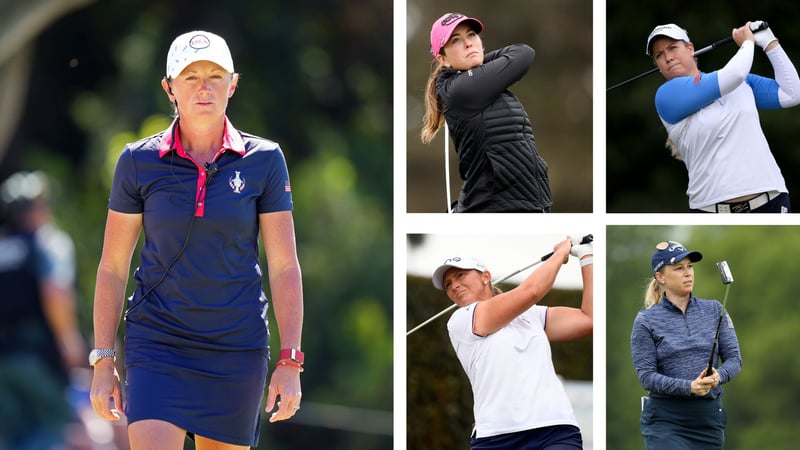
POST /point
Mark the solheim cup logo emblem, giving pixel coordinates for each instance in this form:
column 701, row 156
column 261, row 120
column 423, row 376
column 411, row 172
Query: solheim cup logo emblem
column 236, row 183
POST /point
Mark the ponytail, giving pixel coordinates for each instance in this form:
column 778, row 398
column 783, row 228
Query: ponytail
column 433, row 119
column 653, row 293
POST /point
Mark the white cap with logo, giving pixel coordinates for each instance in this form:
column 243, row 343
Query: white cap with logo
column 669, row 30
column 197, row 46
column 458, row 262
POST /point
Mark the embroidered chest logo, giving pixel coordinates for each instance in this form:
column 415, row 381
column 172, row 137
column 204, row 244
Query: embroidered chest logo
column 236, row 183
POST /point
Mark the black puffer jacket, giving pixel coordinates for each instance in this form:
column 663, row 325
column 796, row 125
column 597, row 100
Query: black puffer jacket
column 498, row 161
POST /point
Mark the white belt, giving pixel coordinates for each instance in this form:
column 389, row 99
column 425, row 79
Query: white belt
column 753, row 203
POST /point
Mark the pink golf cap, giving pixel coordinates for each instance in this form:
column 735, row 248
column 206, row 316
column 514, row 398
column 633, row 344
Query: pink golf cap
column 444, row 26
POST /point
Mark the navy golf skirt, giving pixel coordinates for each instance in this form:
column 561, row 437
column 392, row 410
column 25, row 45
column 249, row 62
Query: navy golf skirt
column 210, row 393
column 683, row 423
column 556, row 437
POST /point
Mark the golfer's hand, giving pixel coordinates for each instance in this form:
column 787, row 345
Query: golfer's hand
column 764, row 37
column 702, row 385
column 742, row 34
column 106, row 386
column 580, row 250
column 285, row 383
column 561, row 250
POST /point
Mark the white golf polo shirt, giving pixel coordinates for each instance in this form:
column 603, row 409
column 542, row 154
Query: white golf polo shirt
column 514, row 384
column 713, row 121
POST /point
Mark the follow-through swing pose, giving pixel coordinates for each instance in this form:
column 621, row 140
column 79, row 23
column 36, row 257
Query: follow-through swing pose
column 468, row 91
column 502, row 341
column 712, row 119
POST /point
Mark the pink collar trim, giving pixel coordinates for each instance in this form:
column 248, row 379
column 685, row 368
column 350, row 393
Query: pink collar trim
column 231, row 139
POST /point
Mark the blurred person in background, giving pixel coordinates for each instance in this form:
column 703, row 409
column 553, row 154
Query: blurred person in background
column 502, row 340
column 40, row 342
column 467, row 91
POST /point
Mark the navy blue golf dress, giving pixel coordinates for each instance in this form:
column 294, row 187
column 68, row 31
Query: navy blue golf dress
column 196, row 336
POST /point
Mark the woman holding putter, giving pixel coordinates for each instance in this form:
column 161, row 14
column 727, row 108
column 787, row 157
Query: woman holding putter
column 670, row 344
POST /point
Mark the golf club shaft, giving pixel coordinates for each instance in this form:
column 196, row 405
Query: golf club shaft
column 703, row 50
column 586, row 239
column 716, row 336
column 447, row 165
column 444, row 311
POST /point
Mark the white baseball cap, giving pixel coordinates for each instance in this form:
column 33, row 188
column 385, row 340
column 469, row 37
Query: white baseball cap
column 197, row 46
column 669, row 30
column 458, row 262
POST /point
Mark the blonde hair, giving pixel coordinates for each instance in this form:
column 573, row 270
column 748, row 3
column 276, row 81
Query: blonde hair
column 673, row 149
column 653, row 293
column 433, row 119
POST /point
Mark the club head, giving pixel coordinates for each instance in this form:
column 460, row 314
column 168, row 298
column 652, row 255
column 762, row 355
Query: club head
column 725, row 272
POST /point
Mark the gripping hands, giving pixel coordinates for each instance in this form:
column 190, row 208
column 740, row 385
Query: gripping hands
column 580, row 250
column 764, row 36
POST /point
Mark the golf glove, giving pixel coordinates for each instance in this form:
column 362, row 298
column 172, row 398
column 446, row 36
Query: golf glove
column 580, row 250
column 763, row 37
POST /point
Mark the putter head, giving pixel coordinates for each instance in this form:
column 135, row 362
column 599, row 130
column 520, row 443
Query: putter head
column 725, row 272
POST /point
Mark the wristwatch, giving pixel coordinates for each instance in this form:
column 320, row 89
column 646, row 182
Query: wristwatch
column 100, row 353
column 293, row 354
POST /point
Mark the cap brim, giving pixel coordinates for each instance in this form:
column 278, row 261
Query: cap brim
column 438, row 276
column 694, row 256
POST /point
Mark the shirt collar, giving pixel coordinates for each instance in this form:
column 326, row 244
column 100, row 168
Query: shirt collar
column 171, row 140
column 668, row 304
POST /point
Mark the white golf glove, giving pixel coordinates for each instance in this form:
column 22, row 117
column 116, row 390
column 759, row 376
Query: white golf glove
column 763, row 37
column 580, row 250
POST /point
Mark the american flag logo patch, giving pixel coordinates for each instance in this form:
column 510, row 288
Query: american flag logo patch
column 287, row 187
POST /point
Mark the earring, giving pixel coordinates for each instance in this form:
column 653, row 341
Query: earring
column 485, row 282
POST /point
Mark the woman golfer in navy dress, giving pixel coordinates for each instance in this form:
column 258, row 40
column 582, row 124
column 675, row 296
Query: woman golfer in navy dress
column 196, row 336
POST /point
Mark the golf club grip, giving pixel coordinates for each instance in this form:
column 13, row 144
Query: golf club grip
column 713, row 348
column 585, row 240
column 711, row 360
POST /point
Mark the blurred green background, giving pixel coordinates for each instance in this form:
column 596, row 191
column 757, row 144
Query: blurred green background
column 641, row 176
column 761, row 401
column 556, row 93
column 80, row 78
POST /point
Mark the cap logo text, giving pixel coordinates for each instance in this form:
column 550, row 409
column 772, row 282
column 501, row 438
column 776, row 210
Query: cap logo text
column 199, row 42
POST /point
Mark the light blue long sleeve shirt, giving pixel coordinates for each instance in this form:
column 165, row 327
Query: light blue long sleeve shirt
column 670, row 348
